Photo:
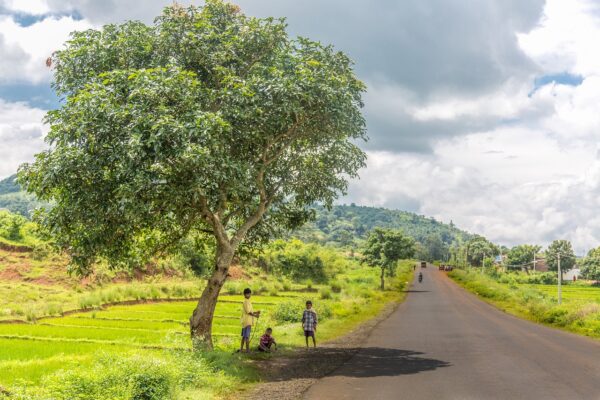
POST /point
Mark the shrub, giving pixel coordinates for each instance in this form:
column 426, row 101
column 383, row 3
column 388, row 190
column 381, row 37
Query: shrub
column 325, row 312
column 309, row 284
column 40, row 251
column 31, row 314
column 114, row 377
column 299, row 261
column 336, row 287
column 287, row 285
column 325, row 293
column 289, row 311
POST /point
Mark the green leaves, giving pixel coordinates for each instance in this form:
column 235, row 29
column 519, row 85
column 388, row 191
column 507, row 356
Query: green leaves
column 590, row 266
column 384, row 247
column 207, row 120
column 478, row 248
column 567, row 257
column 522, row 255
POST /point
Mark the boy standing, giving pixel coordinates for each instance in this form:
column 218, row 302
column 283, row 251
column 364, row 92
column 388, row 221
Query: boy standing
column 247, row 320
column 309, row 323
column 266, row 341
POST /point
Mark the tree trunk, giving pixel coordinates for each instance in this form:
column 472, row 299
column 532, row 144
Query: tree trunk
column 382, row 278
column 201, row 319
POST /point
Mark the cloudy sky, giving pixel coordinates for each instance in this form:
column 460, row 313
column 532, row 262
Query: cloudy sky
column 482, row 112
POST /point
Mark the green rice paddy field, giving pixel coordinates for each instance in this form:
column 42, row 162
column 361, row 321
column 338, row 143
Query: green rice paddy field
column 38, row 354
column 571, row 292
column 30, row 351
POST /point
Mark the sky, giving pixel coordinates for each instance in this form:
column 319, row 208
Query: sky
column 481, row 112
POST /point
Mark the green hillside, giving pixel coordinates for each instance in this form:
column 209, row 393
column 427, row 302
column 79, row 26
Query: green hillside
column 9, row 185
column 15, row 200
column 345, row 225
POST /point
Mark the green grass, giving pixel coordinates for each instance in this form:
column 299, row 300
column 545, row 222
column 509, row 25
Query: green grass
column 578, row 313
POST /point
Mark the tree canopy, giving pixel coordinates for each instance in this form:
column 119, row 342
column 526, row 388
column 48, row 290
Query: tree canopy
column 206, row 121
column 522, row 256
column 385, row 247
column 567, row 256
column 590, row 265
column 479, row 248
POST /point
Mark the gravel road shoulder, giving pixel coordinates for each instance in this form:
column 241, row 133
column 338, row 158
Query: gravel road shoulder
column 288, row 377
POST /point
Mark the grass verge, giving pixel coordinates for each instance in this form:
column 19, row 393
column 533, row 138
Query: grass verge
column 579, row 313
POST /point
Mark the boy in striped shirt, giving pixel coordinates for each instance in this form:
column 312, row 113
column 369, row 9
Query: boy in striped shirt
column 309, row 323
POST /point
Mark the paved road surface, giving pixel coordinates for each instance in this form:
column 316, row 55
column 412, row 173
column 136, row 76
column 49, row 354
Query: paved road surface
column 444, row 343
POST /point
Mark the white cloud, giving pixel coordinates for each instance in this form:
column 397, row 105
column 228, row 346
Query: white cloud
column 566, row 39
column 32, row 44
column 507, row 212
column 21, row 135
column 33, row 7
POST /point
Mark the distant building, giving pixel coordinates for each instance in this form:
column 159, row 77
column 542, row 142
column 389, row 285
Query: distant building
column 540, row 264
column 572, row 273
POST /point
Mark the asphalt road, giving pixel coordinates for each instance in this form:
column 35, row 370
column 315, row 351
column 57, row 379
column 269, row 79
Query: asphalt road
column 444, row 343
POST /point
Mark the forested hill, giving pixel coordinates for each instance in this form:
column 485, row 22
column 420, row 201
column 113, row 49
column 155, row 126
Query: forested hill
column 9, row 185
column 13, row 199
column 347, row 225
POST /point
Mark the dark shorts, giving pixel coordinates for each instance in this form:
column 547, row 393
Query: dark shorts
column 309, row 333
column 246, row 331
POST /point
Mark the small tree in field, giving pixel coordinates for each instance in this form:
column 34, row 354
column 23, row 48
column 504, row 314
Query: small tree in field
column 384, row 248
column 206, row 122
column 567, row 257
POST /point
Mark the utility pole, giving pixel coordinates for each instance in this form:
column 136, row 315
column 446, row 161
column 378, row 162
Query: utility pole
column 483, row 263
column 559, row 281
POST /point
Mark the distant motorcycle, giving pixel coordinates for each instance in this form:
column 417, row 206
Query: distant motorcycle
column 420, row 277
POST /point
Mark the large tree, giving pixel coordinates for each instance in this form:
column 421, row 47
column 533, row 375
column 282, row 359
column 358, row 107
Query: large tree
column 479, row 248
column 522, row 256
column 206, row 121
column 384, row 248
column 567, row 257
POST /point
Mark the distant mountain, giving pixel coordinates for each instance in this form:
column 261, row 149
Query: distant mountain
column 12, row 198
column 348, row 225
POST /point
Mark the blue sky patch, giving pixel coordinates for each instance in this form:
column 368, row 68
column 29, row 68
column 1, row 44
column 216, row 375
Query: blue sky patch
column 564, row 78
column 40, row 96
column 26, row 20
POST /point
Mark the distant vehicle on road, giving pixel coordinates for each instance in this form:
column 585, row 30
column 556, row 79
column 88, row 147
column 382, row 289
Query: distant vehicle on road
column 423, row 264
column 442, row 268
column 448, row 268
